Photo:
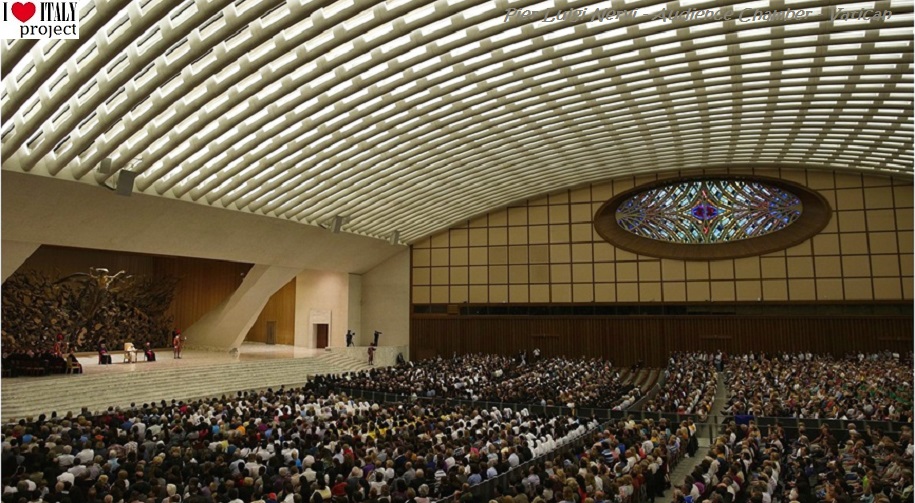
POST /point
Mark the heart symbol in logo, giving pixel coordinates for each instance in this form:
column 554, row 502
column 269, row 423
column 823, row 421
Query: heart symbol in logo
column 23, row 11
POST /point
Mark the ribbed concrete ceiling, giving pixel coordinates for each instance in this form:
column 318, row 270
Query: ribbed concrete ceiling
column 409, row 115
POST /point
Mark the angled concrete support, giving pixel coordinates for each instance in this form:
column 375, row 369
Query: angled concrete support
column 14, row 254
column 225, row 326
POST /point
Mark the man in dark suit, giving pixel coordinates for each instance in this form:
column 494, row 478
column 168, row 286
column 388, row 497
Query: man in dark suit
column 377, row 333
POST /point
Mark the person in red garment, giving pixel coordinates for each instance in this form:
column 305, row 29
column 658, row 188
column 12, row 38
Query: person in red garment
column 372, row 354
column 176, row 343
column 59, row 349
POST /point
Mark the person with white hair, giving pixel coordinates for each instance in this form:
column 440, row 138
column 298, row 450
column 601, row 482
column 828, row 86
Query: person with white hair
column 171, row 491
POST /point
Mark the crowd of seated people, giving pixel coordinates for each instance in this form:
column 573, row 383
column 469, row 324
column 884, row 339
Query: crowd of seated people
column 295, row 445
column 311, row 444
column 457, row 377
column 60, row 359
column 28, row 362
column 626, row 462
column 859, row 387
column 747, row 464
column 691, row 381
column 574, row 382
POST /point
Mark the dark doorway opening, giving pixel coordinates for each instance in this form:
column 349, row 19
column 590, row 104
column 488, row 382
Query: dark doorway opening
column 321, row 335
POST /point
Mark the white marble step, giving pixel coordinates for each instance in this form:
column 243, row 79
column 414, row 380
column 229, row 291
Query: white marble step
column 348, row 362
column 23, row 397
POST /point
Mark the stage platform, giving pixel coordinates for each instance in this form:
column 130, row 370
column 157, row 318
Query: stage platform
column 196, row 374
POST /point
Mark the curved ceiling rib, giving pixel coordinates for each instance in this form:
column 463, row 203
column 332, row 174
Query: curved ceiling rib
column 410, row 115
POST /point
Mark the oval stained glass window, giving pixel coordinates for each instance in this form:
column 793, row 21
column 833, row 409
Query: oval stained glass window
column 709, row 211
column 707, row 218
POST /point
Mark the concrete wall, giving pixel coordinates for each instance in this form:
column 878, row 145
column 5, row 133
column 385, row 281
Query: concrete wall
column 386, row 302
column 43, row 210
column 377, row 300
column 321, row 297
column 354, row 304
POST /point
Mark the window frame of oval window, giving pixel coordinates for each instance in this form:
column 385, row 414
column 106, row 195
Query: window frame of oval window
column 814, row 217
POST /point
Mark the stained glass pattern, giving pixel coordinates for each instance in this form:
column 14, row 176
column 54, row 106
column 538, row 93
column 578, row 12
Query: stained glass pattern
column 709, row 211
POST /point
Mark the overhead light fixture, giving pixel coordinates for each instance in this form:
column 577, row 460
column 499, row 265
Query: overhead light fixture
column 105, row 166
column 337, row 224
column 395, row 238
column 118, row 180
column 124, row 182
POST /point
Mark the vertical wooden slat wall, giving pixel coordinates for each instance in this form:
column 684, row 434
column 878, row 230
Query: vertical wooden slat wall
column 628, row 339
column 202, row 285
column 281, row 309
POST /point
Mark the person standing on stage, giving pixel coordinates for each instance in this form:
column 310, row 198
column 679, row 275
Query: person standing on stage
column 377, row 333
column 349, row 338
column 59, row 348
column 176, row 343
column 372, row 353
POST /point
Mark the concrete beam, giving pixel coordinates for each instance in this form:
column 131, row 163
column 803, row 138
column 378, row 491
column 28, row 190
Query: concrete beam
column 40, row 209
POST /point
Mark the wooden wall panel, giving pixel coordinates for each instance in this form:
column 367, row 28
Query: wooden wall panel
column 203, row 284
column 546, row 249
column 628, row 339
column 281, row 309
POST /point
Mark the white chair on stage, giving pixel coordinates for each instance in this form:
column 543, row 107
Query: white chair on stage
column 130, row 353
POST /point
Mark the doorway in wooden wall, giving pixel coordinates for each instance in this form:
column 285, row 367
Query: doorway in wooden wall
column 321, row 335
column 271, row 332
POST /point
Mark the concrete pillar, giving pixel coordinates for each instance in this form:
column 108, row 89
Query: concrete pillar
column 354, row 308
column 386, row 301
column 14, row 254
column 225, row 326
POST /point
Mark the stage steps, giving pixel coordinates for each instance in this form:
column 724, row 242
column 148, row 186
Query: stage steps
column 348, row 362
column 638, row 377
column 650, row 381
column 26, row 396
